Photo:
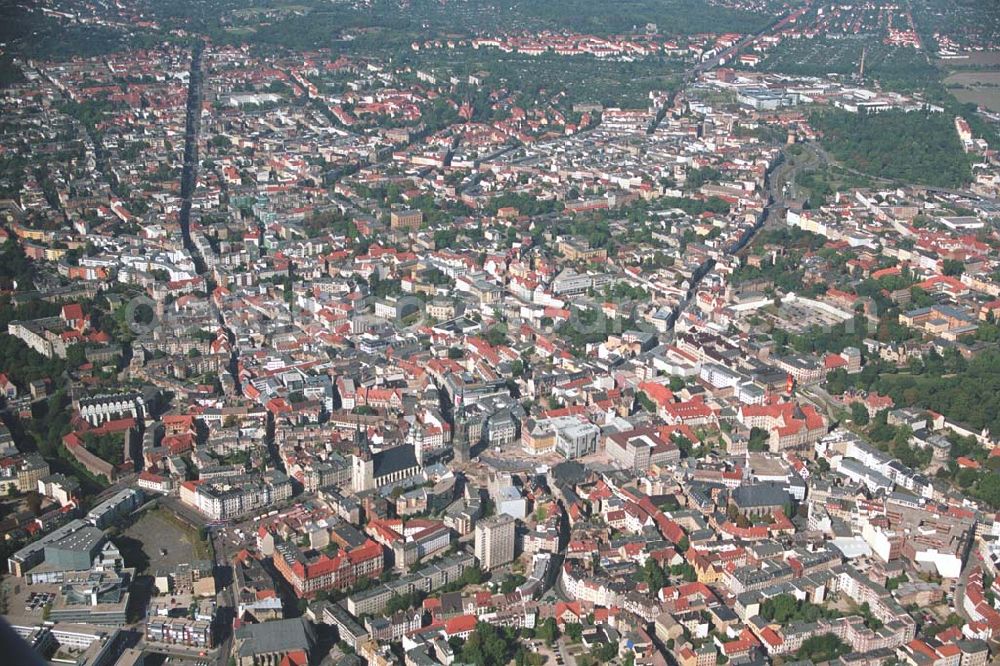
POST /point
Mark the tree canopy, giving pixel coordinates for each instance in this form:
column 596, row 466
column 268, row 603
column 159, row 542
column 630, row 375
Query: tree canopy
column 488, row 646
column 915, row 147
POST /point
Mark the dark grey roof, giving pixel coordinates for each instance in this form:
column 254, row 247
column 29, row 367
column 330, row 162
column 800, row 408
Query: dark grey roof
column 396, row 459
column 350, row 535
column 762, row 494
column 570, row 473
column 451, row 602
column 278, row 636
column 83, row 540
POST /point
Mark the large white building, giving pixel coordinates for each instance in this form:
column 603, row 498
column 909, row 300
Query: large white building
column 236, row 496
column 495, row 541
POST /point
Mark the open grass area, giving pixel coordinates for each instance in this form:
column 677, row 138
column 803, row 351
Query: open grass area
column 819, row 184
column 980, row 88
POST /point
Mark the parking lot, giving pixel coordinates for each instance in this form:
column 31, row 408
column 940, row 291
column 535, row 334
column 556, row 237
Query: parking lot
column 37, row 601
column 159, row 540
column 25, row 604
column 798, row 317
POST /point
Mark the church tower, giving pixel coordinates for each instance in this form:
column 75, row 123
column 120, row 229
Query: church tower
column 460, row 437
column 362, row 470
column 362, row 462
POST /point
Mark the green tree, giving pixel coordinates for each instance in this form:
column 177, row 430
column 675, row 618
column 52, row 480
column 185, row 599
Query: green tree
column 488, row 646
column 953, row 267
column 910, row 147
column 605, row 652
column 653, row 575
column 574, row 630
column 472, row 576
column 988, row 489
column 511, row 583
column 549, row 631
column 825, row 647
column 759, row 439
column 400, row 602
column 779, row 609
column 859, row 413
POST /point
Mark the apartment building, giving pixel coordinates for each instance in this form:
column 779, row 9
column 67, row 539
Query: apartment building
column 495, row 541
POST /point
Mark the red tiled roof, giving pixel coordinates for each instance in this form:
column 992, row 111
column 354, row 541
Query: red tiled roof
column 460, row 624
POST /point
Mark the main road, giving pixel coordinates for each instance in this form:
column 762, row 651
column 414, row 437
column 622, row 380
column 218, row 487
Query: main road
column 775, row 204
column 224, row 577
column 226, row 599
column 717, row 60
column 189, row 172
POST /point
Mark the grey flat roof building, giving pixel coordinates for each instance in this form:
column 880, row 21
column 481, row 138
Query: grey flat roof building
column 75, row 551
column 273, row 638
